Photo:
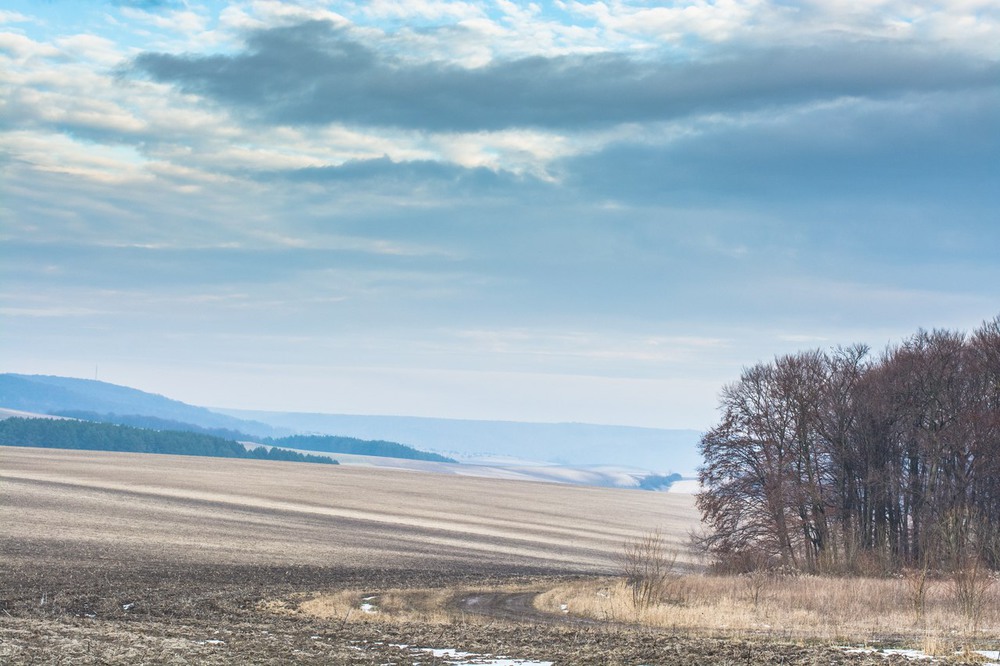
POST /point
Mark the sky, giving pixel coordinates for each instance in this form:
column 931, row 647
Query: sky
column 564, row 211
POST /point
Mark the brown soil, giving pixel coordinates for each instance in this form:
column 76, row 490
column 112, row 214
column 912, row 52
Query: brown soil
column 119, row 559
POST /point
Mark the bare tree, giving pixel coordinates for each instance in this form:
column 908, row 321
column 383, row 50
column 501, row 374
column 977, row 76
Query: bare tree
column 831, row 461
column 649, row 568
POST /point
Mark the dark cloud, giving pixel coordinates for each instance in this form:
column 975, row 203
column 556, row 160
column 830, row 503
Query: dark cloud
column 316, row 73
column 928, row 148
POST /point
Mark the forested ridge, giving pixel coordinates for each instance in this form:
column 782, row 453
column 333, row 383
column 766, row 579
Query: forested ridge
column 841, row 461
column 361, row 447
column 153, row 423
column 72, row 434
column 324, row 443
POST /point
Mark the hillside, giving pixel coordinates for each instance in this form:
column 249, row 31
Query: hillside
column 610, row 456
column 312, row 515
column 73, row 434
column 362, row 447
column 101, row 402
column 653, row 449
column 47, row 394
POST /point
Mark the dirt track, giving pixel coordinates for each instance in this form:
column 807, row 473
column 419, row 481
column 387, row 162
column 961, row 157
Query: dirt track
column 519, row 607
column 132, row 559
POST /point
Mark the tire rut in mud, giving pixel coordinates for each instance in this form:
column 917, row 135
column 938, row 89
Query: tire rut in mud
column 513, row 606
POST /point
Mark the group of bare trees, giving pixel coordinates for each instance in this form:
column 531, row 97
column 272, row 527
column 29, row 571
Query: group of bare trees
column 842, row 461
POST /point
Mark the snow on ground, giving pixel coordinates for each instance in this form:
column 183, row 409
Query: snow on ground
column 919, row 655
column 685, row 486
column 17, row 414
column 458, row 658
column 495, row 467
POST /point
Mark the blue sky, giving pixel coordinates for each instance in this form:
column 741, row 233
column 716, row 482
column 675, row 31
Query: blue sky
column 568, row 211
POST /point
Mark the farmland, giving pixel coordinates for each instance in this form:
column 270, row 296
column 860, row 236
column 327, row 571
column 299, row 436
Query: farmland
column 131, row 558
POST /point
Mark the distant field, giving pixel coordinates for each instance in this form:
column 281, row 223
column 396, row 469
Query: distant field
column 248, row 512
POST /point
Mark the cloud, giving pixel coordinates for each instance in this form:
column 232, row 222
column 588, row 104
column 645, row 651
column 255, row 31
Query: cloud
column 388, row 174
column 316, row 73
column 147, row 4
column 915, row 147
column 7, row 16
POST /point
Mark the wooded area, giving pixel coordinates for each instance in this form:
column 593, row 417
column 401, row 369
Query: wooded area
column 360, row 447
column 72, row 434
column 843, row 462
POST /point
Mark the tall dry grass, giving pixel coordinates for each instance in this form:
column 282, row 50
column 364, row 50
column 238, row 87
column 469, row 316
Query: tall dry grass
column 429, row 606
column 396, row 605
column 836, row 610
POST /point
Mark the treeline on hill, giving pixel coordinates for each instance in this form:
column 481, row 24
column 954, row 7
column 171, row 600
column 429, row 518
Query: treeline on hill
column 325, row 443
column 843, row 462
column 70, row 434
column 361, row 447
column 152, row 423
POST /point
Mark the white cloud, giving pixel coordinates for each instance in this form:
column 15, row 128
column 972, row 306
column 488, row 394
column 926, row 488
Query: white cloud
column 182, row 21
column 592, row 346
column 425, row 9
column 63, row 154
column 99, row 50
column 55, row 312
column 242, row 16
column 7, row 16
column 23, row 48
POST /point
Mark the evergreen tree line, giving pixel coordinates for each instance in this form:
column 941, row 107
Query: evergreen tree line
column 361, row 447
column 152, row 423
column 325, row 443
column 71, row 434
column 842, row 461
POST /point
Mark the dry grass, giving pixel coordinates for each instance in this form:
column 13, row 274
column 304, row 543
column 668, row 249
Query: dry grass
column 835, row 610
column 433, row 606
column 427, row 606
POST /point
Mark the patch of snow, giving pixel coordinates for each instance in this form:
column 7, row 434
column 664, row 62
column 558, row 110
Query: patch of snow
column 459, row 658
column 990, row 654
column 18, row 414
column 685, row 487
column 607, row 476
column 250, row 446
column 888, row 652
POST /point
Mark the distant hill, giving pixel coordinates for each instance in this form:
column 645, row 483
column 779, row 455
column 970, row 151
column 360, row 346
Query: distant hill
column 653, row 449
column 73, row 434
column 324, row 443
column 101, row 402
column 46, row 394
column 154, row 423
column 646, row 452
